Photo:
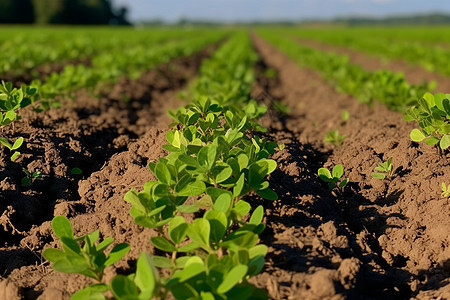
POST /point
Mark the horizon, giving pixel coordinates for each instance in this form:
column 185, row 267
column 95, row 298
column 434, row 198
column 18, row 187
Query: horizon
column 230, row 11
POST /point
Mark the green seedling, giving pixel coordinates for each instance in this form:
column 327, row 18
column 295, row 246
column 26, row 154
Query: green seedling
column 433, row 116
column 12, row 147
column 30, row 177
column 334, row 137
column 345, row 115
column 445, row 190
column 333, row 178
column 76, row 171
column 82, row 255
column 385, row 169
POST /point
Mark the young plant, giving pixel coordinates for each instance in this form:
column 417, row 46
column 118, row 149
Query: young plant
column 445, row 190
column 334, row 137
column 82, row 255
column 30, row 177
column 333, row 178
column 385, row 169
column 16, row 145
column 433, row 116
column 345, row 115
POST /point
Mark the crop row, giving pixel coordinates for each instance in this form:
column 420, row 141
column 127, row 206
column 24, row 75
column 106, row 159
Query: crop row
column 105, row 68
column 23, row 51
column 385, row 86
column 431, row 57
column 199, row 203
column 432, row 113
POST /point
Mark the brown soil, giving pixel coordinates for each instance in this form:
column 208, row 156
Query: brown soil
column 99, row 137
column 379, row 239
column 413, row 74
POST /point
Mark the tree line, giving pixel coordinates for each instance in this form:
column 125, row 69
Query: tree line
column 61, row 12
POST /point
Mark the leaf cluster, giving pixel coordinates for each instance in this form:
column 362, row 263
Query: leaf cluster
column 432, row 113
column 213, row 162
column 384, row 169
column 333, row 178
column 82, row 255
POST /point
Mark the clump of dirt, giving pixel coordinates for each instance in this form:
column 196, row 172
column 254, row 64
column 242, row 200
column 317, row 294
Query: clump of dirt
column 378, row 239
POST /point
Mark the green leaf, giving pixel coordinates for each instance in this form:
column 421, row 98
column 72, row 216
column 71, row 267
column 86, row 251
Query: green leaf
column 416, row 135
column 325, row 175
column 378, row 175
column 71, row 264
column 194, row 266
column 92, row 292
column 223, row 202
column 445, row 141
column 232, row 278
column 162, row 262
column 15, row 155
column 237, row 189
column 117, row 253
column 432, row 141
column 5, row 143
column 124, row 288
column 163, row 244
column 221, row 172
column 242, row 208
column 163, row 173
column 146, row 276
column 178, row 229
column 338, row 171
column 194, row 188
column 267, row 194
column 199, row 232
column 257, row 216
column 61, row 227
column 187, row 209
column 52, row 254
column 343, row 183
column 76, row 171
column 17, row 143
column 219, row 224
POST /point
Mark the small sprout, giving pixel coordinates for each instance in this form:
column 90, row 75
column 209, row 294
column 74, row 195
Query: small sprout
column 76, row 171
column 334, row 178
column 445, row 190
column 345, row 115
column 281, row 147
column 12, row 147
column 385, row 169
column 30, row 177
column 334, row 137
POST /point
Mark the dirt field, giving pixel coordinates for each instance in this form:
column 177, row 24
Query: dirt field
column 380, row 239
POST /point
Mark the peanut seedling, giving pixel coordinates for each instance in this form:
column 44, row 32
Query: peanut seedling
column 385, row 169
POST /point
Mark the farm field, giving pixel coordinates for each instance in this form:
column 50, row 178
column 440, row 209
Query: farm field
column 225, row 163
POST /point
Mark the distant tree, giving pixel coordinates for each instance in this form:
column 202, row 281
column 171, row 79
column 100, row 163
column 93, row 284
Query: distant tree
column 77, row 12
column 16, row 11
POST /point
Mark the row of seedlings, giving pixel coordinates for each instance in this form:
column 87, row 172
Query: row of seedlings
column 215, row 163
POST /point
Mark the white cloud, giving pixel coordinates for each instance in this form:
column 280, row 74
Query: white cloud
column 382, row 1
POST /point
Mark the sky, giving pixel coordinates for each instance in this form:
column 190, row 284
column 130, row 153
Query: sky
column 246, row 10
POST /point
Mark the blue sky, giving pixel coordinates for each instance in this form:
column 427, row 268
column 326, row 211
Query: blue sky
column 238, row 10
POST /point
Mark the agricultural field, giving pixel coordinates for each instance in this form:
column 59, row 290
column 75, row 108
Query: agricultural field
column 224, row 163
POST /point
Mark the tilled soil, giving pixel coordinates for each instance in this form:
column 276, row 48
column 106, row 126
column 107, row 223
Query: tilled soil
column 413, row 73
column 385, row 239
column 379, row 239
column 97, row 136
